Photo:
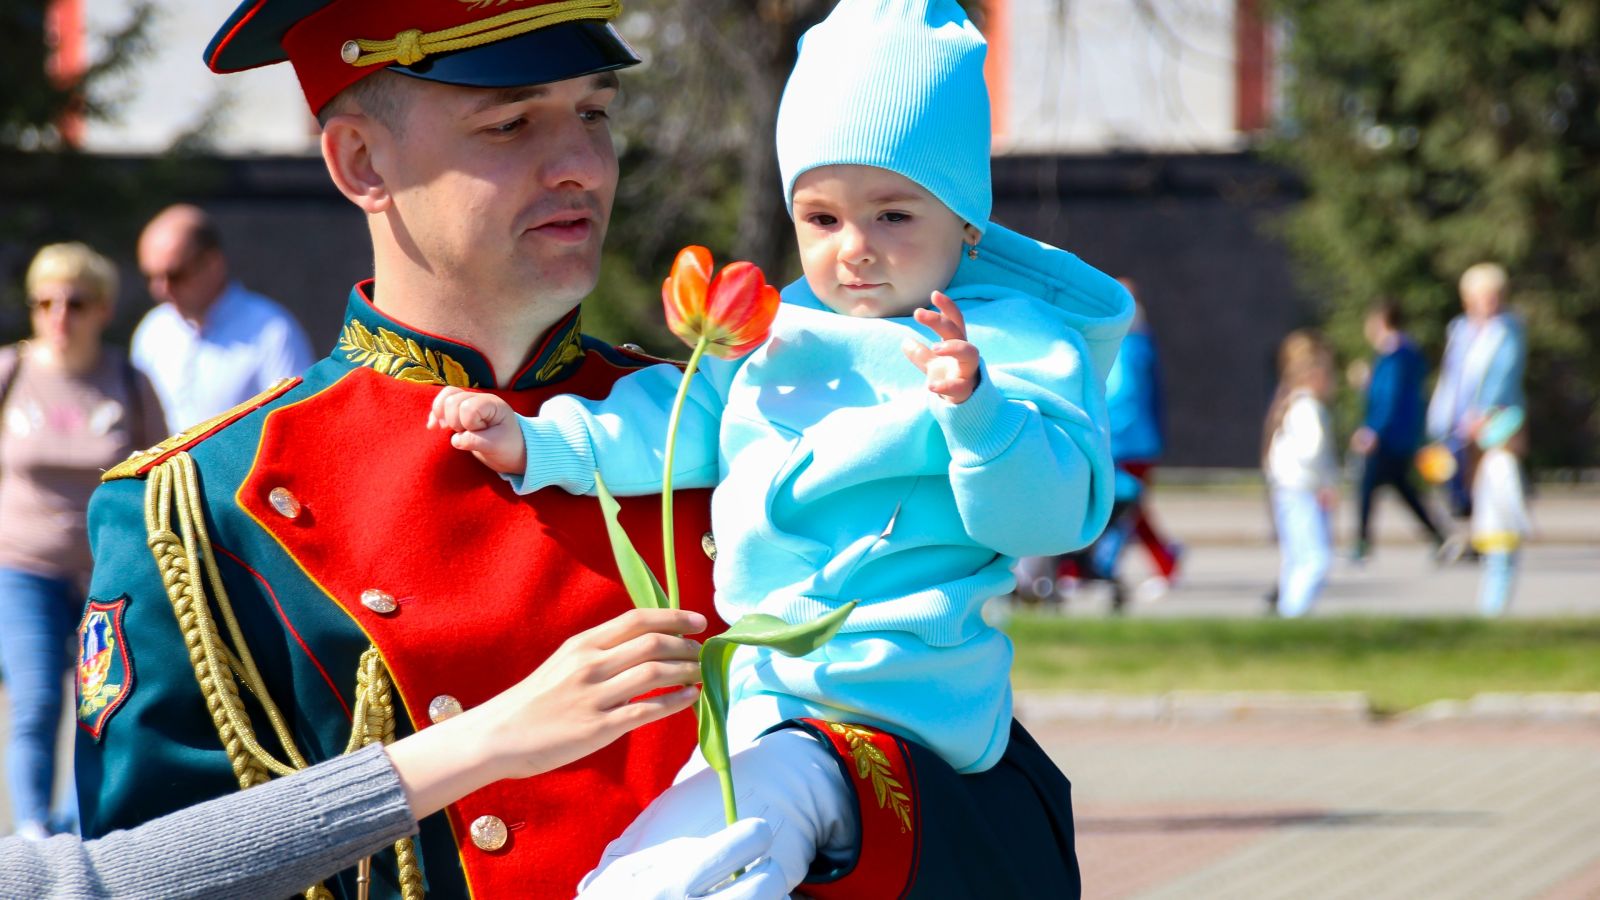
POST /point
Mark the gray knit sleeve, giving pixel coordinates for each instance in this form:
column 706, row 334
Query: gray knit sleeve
column 273, row 840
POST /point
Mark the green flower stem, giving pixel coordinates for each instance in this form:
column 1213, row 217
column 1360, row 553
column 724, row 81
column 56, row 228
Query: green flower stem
column 668, row 550
column 730, row 809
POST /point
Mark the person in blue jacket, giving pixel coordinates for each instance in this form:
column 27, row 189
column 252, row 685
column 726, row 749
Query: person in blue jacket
column 1485, row 354
column 873, row 449
column 1391, row 429
column 1135, row 404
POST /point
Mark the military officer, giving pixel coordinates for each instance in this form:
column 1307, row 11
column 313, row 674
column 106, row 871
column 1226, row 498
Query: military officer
column 314, row 570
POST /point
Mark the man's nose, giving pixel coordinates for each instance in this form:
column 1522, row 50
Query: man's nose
column 577, row 159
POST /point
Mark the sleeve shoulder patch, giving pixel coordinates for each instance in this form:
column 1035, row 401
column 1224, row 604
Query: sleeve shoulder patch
column 141, row 462
column 105, row 668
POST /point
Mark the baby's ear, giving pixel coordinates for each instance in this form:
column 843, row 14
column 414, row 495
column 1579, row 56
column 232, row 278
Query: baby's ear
column 971, row 233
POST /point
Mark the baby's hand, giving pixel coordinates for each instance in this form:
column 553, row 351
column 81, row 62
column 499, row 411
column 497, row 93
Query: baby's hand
column 952, row 364
column 483, row 424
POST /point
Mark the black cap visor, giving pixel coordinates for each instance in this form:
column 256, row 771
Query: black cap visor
column 553, row 53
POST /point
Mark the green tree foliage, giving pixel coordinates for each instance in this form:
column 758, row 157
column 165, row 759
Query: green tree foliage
column 1433, row 134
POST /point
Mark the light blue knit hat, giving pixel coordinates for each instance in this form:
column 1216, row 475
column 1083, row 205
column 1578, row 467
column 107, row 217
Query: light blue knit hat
column 896, row 84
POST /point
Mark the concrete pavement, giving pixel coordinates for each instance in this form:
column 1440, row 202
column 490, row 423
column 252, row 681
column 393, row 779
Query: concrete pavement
column 1333, row 810
column 1230, row 561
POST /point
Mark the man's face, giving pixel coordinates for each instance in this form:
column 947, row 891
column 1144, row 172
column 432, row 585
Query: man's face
column 505, row 190
column 178, row 272
column 1374, row 328
column 873, row 243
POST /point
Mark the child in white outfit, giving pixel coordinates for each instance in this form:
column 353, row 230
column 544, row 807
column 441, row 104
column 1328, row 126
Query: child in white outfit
column 1499, row 515
column 1302, row 471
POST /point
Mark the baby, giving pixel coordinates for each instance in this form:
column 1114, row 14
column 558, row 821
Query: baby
column 872, row 449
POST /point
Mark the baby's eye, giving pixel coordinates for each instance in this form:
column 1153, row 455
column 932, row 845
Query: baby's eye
column 896, row 217
column 821, row 220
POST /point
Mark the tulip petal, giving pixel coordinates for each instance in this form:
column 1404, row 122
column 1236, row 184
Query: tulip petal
column 683, row 294
column 740, row 307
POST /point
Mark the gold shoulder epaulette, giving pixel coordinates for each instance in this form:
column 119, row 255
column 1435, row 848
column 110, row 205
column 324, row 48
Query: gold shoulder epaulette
column 140, row 462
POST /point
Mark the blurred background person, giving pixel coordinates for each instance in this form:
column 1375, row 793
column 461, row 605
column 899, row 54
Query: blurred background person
column 1302, row 472
column 1484, row 357
column 1391, row 428
column 1499, row 513
column 1134, row 401
column 70, row 407
column 209, row 344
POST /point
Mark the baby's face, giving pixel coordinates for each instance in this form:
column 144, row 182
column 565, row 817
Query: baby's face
column 874, row 244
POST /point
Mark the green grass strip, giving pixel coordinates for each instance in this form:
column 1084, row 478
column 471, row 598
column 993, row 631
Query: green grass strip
column 1399, row 663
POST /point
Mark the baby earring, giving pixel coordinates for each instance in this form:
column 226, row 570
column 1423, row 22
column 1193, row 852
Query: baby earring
column 972, row 251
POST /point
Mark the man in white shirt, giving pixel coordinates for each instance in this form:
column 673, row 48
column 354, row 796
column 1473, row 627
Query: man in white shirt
column 209, row 344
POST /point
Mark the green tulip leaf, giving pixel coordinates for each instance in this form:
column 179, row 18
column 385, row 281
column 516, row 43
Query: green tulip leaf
column 716, row 656
column 640, row 582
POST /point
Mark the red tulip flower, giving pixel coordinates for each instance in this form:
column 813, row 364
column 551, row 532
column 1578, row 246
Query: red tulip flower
column 732, row 313
column 727, row 316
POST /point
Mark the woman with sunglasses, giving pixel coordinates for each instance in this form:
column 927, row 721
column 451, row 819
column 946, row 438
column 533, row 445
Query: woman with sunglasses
column 70, row 407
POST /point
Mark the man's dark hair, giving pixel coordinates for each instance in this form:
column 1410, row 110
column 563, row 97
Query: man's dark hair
column 378, row 96
column 1389, row 310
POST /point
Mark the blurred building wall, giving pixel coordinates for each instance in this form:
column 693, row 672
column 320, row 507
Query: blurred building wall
column 1066, row 76
column 1196, row 232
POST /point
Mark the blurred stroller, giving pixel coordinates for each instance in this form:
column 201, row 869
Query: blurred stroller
column 1056, row 579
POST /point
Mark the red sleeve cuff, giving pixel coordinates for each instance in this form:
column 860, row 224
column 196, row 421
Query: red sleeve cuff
column 877, row 766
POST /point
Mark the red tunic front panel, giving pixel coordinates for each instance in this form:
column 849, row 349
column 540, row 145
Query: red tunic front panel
column 488, row 585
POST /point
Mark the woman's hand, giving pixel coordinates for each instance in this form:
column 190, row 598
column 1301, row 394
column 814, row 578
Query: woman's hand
column 952, row 364
column 590, row 692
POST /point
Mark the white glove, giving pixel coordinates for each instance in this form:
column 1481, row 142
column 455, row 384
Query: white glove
column 786, row 778
column 690, row 867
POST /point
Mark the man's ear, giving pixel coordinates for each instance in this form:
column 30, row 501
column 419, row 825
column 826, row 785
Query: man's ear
column 350, row 145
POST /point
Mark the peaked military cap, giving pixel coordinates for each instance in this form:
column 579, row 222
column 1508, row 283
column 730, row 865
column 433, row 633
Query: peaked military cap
column 332, row 44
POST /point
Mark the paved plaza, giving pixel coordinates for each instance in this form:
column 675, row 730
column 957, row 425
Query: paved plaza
column 1230, row 561
column 1334, row 810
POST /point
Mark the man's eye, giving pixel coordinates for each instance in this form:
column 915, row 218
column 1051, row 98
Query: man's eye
column 595, row 115
column 511, row 127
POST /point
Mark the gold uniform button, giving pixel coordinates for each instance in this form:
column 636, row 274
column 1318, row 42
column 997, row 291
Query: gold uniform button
column 708, row 543
column 489, row 833
column 286, row 503
column 350, row 52
column 443, row 707
column 380, row 602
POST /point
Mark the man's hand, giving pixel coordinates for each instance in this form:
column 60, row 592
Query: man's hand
column 483, row 424
column 952, row 364
column 692, row 866
column 786, row 778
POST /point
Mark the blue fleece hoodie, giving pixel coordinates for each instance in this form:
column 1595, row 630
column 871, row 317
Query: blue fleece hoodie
column 841, row 477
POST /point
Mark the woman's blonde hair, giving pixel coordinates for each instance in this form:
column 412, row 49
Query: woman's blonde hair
column 1303, row 354
column 76, row 263
column 1485, row 277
